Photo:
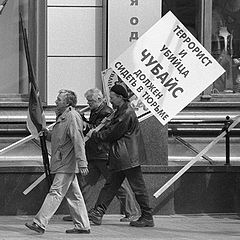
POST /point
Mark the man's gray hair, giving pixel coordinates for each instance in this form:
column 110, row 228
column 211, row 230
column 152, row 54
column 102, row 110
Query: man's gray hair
column 70, row 97
column 95, row 94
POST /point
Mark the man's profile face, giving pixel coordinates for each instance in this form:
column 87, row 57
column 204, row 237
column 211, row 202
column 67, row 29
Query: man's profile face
column 115, row 99
column 61, row 103
column 93, row 104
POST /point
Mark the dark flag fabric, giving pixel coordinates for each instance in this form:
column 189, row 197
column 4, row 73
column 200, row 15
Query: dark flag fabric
column 35, row 117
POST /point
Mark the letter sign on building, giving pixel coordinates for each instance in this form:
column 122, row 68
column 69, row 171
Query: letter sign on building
column 127, row 21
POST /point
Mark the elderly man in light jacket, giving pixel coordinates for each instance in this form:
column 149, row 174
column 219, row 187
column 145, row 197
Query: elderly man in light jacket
column 68, row 159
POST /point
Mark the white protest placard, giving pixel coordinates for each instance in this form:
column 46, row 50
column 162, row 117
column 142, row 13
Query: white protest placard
column 167, row 68
column 109, row 79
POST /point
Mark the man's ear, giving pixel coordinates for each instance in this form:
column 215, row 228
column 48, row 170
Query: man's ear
column 67, row 104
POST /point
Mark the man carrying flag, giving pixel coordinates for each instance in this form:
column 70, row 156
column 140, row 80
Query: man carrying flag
column 68, row 159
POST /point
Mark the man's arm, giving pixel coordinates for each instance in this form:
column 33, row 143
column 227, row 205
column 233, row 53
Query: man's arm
column 115, row 131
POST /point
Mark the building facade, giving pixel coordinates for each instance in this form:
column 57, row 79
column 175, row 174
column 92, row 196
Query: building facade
column 72, row 42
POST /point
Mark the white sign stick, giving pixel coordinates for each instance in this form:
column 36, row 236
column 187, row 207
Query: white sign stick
column 18, row 143
column 34, row 184
column 195, row 159
column 28, row 138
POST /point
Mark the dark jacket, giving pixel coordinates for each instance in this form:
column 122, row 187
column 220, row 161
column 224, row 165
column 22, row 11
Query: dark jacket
column 97, row 150
column 124, row 135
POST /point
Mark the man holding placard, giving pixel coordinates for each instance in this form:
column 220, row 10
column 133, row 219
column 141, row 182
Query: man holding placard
column 166, row 68
column 125, row 154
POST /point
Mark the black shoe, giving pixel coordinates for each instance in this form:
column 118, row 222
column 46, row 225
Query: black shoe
column 67, row 218
column 35, row 227
column 96, row 215
column 78, row 231
column 142, row 222
column 128, row 218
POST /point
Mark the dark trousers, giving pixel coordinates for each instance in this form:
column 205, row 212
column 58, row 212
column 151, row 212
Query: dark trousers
column 98, row 168
column 137, row 184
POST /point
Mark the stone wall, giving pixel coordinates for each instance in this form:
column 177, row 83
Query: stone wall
column 212, row 189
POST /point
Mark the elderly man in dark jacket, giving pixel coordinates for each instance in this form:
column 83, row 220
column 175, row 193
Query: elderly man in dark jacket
column 126, row 153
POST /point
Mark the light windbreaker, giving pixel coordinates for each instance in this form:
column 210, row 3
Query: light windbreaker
column 67, row 143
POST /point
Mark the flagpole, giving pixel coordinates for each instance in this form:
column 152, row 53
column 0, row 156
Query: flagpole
column 36, row 114
column 45, row 158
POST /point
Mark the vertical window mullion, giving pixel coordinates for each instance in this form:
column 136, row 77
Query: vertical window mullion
column 206, row 31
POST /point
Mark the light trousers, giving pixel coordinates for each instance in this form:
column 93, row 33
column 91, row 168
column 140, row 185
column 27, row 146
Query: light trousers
column 64, row 185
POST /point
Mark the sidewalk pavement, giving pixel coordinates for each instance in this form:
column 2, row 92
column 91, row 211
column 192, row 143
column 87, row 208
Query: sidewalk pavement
column 174, row 227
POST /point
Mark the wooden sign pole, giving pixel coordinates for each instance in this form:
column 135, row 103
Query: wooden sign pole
column 194, row 160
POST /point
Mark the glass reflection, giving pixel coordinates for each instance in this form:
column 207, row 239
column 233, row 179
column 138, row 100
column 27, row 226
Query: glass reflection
column 226, row 44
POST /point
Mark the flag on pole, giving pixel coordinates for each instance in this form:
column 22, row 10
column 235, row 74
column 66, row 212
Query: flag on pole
column 35, row 116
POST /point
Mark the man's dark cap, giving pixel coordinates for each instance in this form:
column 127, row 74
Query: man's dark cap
column 120, row 90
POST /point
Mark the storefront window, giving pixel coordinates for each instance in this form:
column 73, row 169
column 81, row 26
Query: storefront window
column 216, row 24
column 226, row 44
column 13, row 66
column 187, row 11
